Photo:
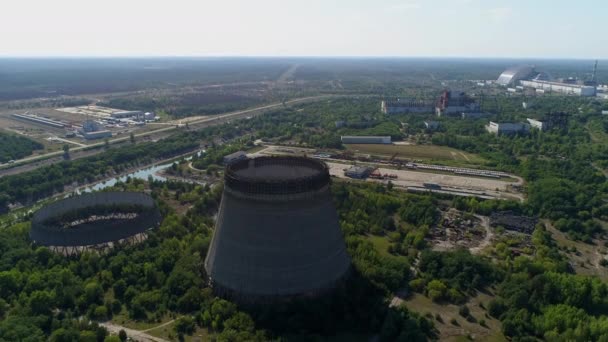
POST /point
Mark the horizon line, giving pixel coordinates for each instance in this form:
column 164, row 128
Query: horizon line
column 291, row 56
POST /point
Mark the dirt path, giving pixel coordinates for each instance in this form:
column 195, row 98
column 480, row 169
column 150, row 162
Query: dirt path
column 485, row 222
column 159, row 326
column 137, row 335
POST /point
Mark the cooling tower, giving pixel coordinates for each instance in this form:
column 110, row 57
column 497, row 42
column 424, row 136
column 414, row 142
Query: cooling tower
column 277, row 231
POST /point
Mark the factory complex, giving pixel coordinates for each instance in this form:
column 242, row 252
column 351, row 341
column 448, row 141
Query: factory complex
column 84, row 122
column 521, row 77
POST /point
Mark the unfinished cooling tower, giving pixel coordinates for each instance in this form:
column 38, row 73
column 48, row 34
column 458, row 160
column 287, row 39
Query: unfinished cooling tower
column 277, row 233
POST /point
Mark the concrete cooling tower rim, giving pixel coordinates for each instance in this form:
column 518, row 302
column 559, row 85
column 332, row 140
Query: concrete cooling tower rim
column 276, row 176
column 93, row 233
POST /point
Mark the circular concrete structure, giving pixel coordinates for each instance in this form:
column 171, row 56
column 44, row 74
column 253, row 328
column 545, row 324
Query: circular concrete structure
column 277, row 233
column 94, row 220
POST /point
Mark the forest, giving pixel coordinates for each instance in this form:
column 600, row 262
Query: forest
column 13, row 147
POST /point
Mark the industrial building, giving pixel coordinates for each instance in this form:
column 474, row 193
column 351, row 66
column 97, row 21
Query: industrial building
column 454, row 104
column 358, row 171
column 127, row 114
column 538, row 124
column 511, row 76
column 92, row 130
column 560, row 87
column 366, row 139
column 517, row 78
column 39, row 120
column 400, row 106
column 277, row 233
column 239, row 155
column 507, row 128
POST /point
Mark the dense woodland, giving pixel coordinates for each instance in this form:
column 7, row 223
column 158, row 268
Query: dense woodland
column 13, row 147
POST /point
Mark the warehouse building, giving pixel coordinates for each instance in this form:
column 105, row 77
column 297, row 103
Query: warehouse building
column 127, row 114
column 560, row 87
column 538, row 124
column 507, row 128
column 366, row 139
column 400, row 106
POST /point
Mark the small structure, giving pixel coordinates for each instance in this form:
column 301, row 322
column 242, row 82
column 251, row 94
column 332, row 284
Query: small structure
column 605, row 112
column 149, row 116
column 238, row 155
column 507, row 128
column 340, row 123
column 358, row 172
column 365, row 139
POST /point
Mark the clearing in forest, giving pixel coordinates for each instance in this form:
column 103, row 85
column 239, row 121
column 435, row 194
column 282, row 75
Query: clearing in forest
column 444, row 154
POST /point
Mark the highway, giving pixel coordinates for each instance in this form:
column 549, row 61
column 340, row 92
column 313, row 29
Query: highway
column 25, row 164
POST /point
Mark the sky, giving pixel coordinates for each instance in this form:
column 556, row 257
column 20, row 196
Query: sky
column 392, row 28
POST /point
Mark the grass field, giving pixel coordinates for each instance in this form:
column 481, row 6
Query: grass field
column 460, row 332
column 427, row 153
column 381, row 243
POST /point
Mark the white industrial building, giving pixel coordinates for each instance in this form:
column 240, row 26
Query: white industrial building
column 559, row 87
column 507, row 128
column 368, row 139
column 400, row 106
column 512, row 75
column 538, row 124
column 127, row 114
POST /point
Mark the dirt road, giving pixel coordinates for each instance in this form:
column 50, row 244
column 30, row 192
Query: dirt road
column 136, row 335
